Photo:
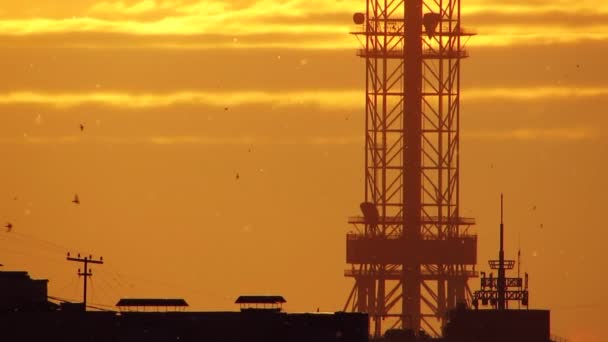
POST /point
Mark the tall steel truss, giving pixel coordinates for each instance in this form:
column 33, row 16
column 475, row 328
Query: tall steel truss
column 411, row 254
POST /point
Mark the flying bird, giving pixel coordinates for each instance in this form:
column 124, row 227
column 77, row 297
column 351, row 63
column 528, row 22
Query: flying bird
column 9, row 226
column 225, row 108
column 76, row 200
column 237, row 176
column 81, row 127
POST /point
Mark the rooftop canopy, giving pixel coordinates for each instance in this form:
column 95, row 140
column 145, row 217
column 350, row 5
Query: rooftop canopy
column 260, row 300
column 143, row 302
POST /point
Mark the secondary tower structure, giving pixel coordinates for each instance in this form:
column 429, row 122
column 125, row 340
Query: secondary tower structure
column 411, row 253
column 499, row 291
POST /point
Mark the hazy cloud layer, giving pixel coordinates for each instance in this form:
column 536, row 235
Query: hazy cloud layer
column 295, row 23
column 564, row 134
column 341, row 99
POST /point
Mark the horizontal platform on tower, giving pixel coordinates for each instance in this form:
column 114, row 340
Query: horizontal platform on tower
column 395, row 27
column 425, row 274
column 460, row 221
column 366, row 249
column 401, row 93
column 507, row 264
column 400, row 130
column 426, row 53
column 493, row 295
column 399, row 167
column 493, row 282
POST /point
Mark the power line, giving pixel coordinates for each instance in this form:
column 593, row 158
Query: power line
column 96, row 306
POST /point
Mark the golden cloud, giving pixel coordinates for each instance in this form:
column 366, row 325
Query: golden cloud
column 536, row 134
column 182, row 140
column 521, row 134
column 334, row 99
column 273, row 17
column 533, row 93
column 135, row 9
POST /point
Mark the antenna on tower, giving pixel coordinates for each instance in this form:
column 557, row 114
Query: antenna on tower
column 519, row 264
column 497, row 291
column 518, row 255
column 501, row 259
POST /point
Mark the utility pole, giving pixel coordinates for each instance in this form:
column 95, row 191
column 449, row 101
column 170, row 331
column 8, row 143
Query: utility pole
column 87, row 272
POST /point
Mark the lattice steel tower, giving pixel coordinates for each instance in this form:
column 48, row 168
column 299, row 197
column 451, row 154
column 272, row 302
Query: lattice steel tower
column 411, row 253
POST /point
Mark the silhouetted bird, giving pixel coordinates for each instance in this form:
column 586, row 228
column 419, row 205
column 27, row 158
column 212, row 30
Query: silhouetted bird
column 225, row 108
column 237, row 176
column 9, row 226
column 76, row 200
column 81, row 127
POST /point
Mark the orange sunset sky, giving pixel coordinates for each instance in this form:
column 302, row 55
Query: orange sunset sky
column 178, row 96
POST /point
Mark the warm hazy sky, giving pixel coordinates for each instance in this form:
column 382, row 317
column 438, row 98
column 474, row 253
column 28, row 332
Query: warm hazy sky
column 155, row 166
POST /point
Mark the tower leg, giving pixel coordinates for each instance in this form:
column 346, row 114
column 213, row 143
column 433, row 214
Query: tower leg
column 441, row 300
column 362, row 294
column 410, row 318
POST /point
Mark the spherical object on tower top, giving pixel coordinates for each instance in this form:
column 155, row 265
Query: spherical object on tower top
column 359, row 18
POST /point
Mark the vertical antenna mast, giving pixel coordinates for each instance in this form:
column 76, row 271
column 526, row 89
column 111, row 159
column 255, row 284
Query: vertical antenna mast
column 519, row 257
column 501, row 260
column 499, row 291
column 519, row 264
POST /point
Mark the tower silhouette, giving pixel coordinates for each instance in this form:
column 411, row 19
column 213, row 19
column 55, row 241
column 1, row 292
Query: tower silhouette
column 411, row 253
